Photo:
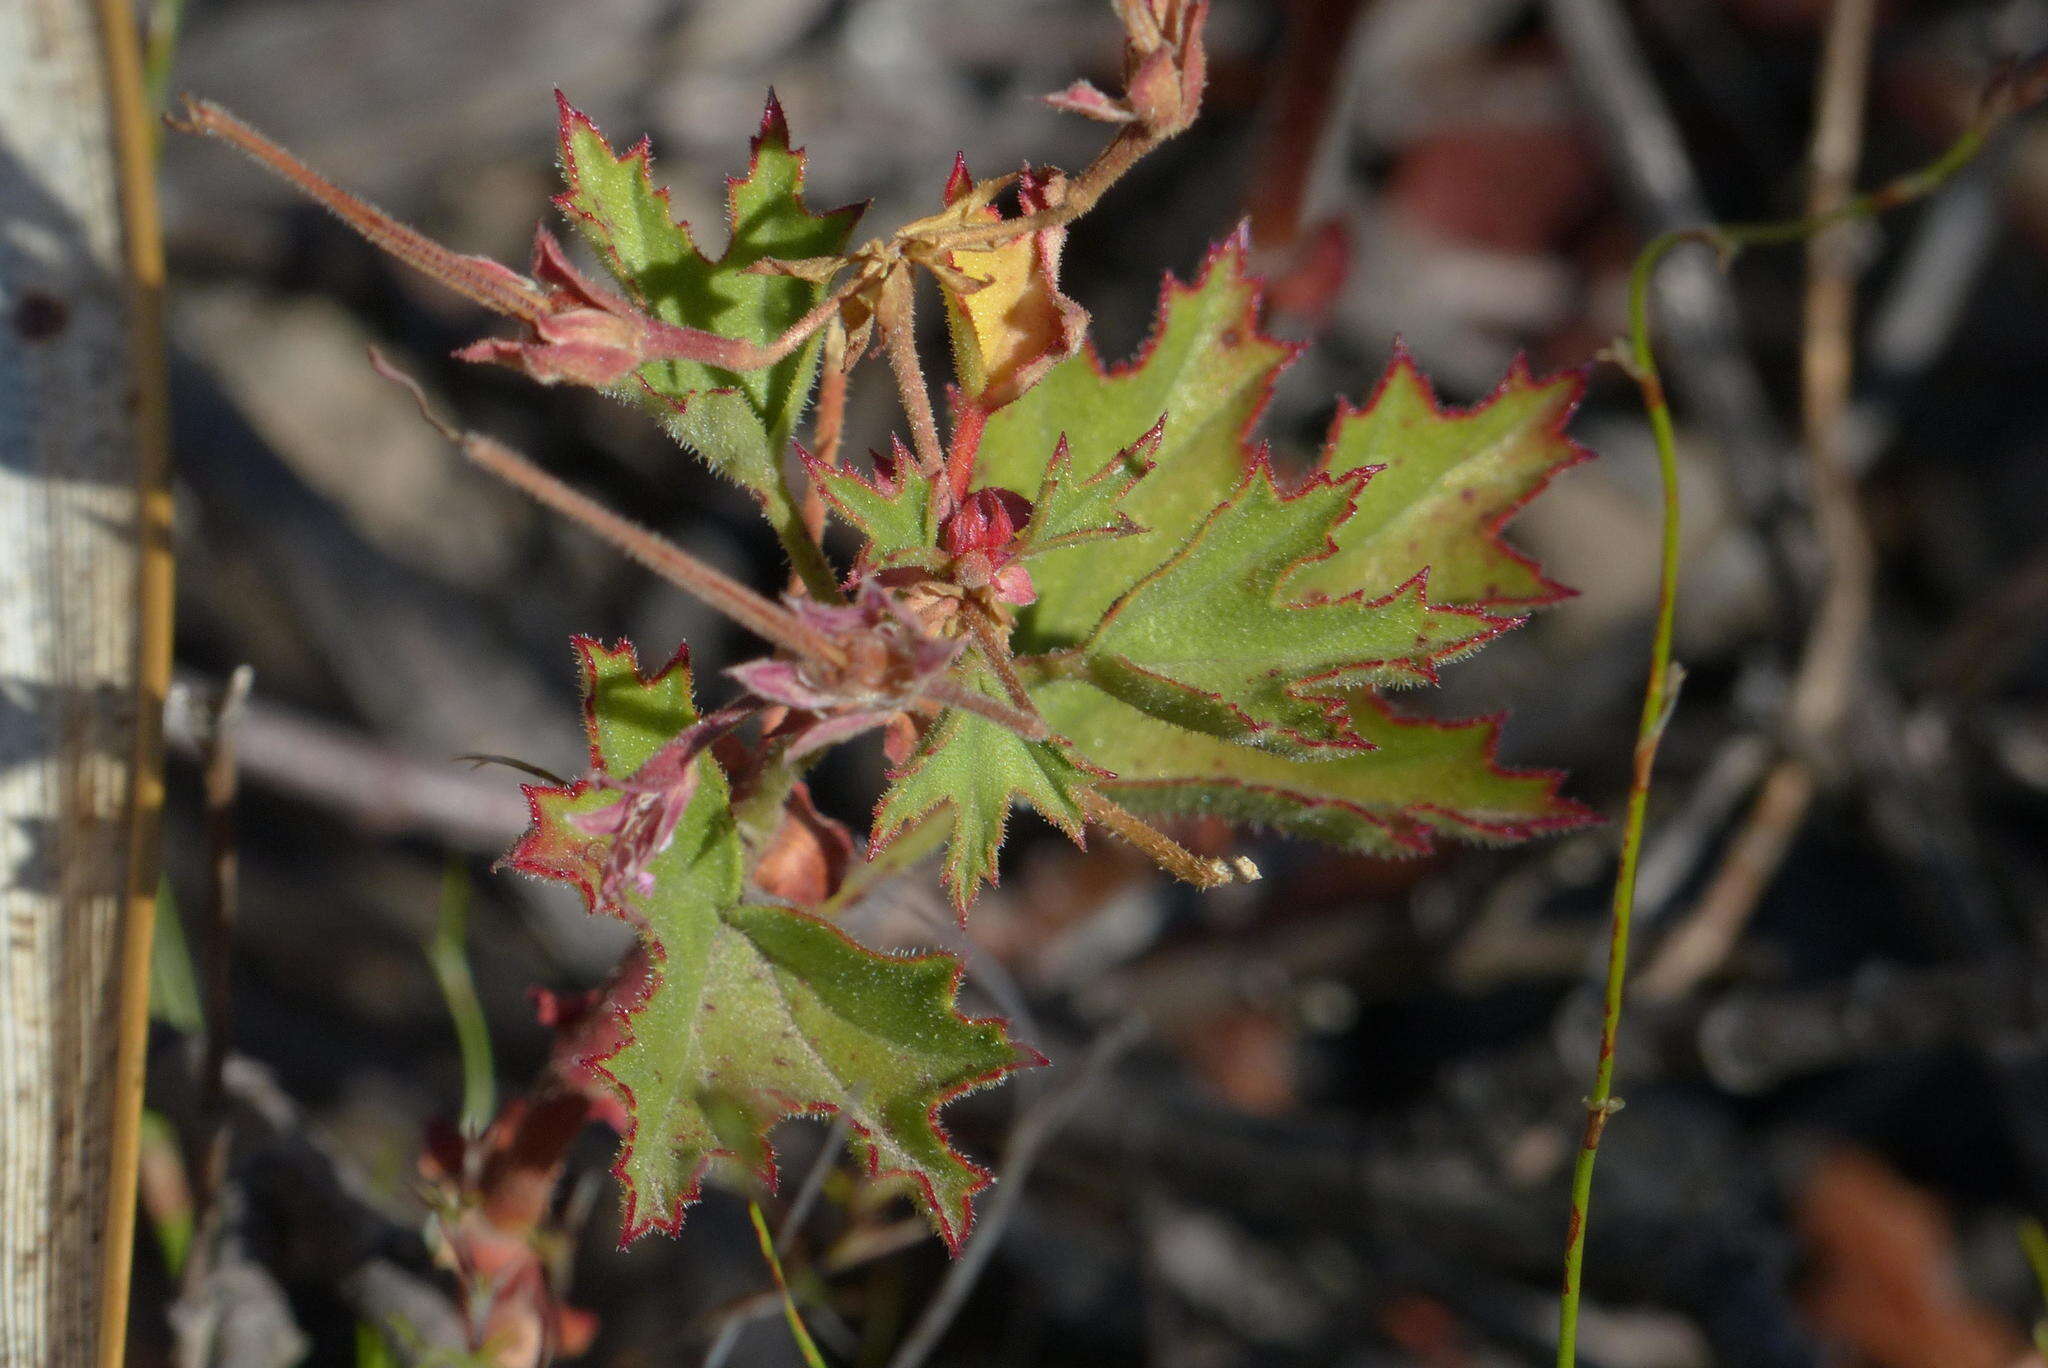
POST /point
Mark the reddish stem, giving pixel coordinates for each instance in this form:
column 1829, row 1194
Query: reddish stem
column 489, row 284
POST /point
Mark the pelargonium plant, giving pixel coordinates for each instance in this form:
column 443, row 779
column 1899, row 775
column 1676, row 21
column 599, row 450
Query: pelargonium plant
column 1087, row 590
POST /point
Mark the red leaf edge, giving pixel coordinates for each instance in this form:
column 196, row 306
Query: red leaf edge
column 953, row 1225
column 1519, row 377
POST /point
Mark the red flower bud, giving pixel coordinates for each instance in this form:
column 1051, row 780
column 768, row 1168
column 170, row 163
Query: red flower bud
column 986, row 521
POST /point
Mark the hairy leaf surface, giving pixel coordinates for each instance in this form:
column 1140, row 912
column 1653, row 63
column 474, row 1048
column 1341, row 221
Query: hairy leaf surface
column 740, row 422
column 1422, row 778
column 1442, row 484
column 1243, row 613
column 894, row 511
column 1075, row 507
column 1208, row 370
column 1217, row 640
column 966, row 772
column 752, row 1012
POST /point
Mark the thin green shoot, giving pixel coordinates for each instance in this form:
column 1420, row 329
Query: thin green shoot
column 173, row 986
column 160, row 31
column 804, row 1342
column 172, row 1224
column 2034, row 1240
column 2013, row 92
column 448, row 953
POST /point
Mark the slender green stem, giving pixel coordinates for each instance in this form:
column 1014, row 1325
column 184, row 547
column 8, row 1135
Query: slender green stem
column 804, row 1343
column 785, row 513
column 2015, row 92
column 918, row 842
column 1658, row 696
column 448, row 953
column 759, row 813
column 173, row 983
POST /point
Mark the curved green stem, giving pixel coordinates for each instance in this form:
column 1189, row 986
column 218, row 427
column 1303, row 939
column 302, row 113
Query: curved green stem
column 1658, row 696
column 2015, row 92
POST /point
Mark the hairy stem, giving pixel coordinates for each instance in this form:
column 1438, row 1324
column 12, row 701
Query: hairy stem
column 1131, row 143
column 766, row 619
column 808, row 568
column 951, row 693
column 1083, row 194
column 477, row 278
column 2016, row 91
column 996, row 650
column 1170, row 855
column 496, row 287
column 894, row 315
column 758, row 812
column 830, row 426
column 759, row 615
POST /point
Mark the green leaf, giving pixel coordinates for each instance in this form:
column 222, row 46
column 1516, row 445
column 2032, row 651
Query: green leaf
column 1209, row 370
column 740, row 422
column 894, row 511
column 1220, row 659
column 754, row 1013
column 627, row 717
column 1072, row 511
column 780, row 1015
column 1442, row 484
column 967, row 771
column 1422, row 778
column 1218, row 640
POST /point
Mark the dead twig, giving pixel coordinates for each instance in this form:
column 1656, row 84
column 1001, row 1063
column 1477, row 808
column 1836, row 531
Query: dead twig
column 196, row 1317
column 1700, row 944
column 289, row 752
column 221, row 781
column 1684, row 837
column 1827, row 359
column 1916, row 313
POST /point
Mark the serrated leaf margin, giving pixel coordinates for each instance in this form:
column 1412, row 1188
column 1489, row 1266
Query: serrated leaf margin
column 528, row 855
column 1419, row 839
column 1411, row 669
column 1402, row 364
column 953, row 1225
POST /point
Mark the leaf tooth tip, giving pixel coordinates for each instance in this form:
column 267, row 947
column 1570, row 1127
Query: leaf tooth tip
column 774, row 124
column 960, row 180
